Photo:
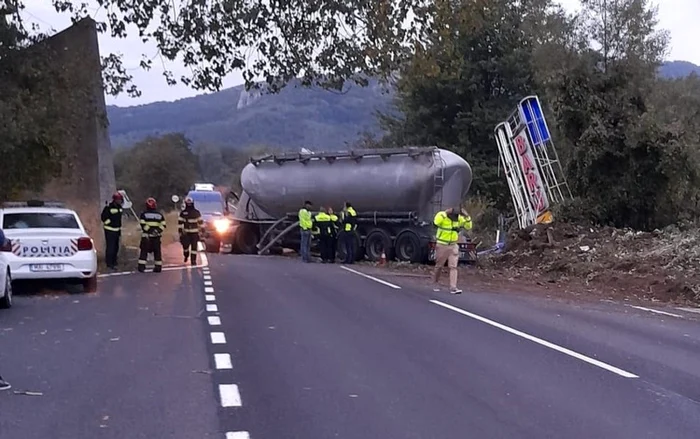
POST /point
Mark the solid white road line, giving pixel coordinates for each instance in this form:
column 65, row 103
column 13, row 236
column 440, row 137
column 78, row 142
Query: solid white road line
column 230, row 397
column 214, row 320
column 694, row 310
column 210, row 298
column 656, row 311
column 208, row 289
column 120, row 273
column 217, row 338
column 383, row 282
column 212, row 307
column 223, row 361
column 539, row 341
column 237, row 435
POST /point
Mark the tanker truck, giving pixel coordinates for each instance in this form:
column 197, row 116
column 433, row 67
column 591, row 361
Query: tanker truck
column 396, row 193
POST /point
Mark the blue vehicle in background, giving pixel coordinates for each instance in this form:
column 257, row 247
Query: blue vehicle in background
column 215, row 213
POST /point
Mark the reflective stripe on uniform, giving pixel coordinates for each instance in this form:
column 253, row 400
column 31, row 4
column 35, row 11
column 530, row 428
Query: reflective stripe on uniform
column 111, row 229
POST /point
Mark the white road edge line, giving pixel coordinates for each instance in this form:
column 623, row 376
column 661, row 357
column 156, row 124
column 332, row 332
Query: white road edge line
column 211, row 307
column 694, row 310
column 217, row 338
column 223, row 361
column 539, row 341
column 656, row 311
column 210, row 298
column 230, row 397
column 214, row 320
column 237, row 435
column 359, row 273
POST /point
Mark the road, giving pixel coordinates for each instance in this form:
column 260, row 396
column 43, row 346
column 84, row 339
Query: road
column 268, row 347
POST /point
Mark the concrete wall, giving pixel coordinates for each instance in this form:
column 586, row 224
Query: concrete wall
column 87, row 178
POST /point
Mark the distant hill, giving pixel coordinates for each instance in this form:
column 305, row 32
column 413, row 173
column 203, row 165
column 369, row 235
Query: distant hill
column 296, row 117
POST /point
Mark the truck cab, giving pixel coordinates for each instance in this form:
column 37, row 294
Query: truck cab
column 215, row 213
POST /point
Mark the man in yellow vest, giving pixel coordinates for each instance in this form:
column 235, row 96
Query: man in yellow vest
column 449, row 222
column 322, row 221
column 305, row 224
column 347, row 234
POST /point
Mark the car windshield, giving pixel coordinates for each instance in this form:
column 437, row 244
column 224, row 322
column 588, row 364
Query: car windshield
column 208, row 202
column 36, row 220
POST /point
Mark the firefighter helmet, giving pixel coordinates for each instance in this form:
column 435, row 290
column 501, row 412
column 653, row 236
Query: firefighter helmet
column 189, row 201
column 117, row 196
column 151, row 203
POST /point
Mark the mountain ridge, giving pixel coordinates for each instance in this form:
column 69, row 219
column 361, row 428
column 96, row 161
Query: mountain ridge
column 296, row 117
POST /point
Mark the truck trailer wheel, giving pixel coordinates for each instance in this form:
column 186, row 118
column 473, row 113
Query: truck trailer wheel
column 408, row 248
column 377, row 241
column 246, row 239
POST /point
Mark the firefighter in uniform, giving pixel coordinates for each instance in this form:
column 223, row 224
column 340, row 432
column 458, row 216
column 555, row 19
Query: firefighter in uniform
column 152, row 228
column 449, row 222
column 322, row 222
column 112, row 225
column 333, row 245
column 189, row 226
column 348, row 223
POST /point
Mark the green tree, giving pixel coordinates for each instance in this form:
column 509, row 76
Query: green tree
column 469, row 77
column 628, row 162
column 157, row 167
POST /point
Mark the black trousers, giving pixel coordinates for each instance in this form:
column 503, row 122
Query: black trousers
column 148, row 245
column 333, row 247
column 111, row 247
column 347, row 241
column 189, row 243
column 326, row 246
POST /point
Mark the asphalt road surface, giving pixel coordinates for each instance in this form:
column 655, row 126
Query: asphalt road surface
column 268, row 347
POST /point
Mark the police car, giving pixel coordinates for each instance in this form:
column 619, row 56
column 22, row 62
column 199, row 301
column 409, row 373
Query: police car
column 47, row 241
column 5, row 278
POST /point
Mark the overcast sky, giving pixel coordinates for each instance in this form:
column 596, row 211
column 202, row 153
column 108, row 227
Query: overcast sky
column 678, row 16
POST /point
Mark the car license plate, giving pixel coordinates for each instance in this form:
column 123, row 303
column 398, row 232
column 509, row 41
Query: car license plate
column 46, row 267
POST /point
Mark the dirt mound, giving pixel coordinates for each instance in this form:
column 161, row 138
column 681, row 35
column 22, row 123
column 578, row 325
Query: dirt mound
column 662, row 265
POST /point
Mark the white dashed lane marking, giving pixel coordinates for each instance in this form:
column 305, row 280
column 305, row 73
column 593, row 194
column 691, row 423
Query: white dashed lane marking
column 230, row 397
column 214, row 320
column 212, row 307
column 210, row 298
column 218, row 338
column 237, row 435
column 208, row 289
column 223, row 361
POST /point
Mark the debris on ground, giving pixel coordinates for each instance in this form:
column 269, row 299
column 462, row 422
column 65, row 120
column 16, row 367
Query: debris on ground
column 576, row 261
column 661, row 265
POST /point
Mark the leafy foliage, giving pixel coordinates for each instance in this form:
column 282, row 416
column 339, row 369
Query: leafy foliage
column 628, row 138
column 324, row 42
column 157, row 167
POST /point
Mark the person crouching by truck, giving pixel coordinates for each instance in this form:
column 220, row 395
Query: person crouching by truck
column 306, row 224
column 347, row 233
column 322, row 221
column 449, row 222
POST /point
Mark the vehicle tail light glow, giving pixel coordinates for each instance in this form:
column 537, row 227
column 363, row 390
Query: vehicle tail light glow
column 84, row 243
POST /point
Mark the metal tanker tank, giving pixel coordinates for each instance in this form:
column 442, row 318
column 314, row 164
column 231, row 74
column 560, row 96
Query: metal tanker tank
column 421, row 180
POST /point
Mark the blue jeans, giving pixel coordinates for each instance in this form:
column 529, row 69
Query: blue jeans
column 305, row 247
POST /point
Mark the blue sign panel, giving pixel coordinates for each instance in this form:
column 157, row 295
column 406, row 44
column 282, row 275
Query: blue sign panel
column 534, row 119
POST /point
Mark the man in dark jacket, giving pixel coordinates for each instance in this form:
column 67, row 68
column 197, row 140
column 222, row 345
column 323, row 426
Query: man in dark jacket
column 112, row 225
column 189, row 226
